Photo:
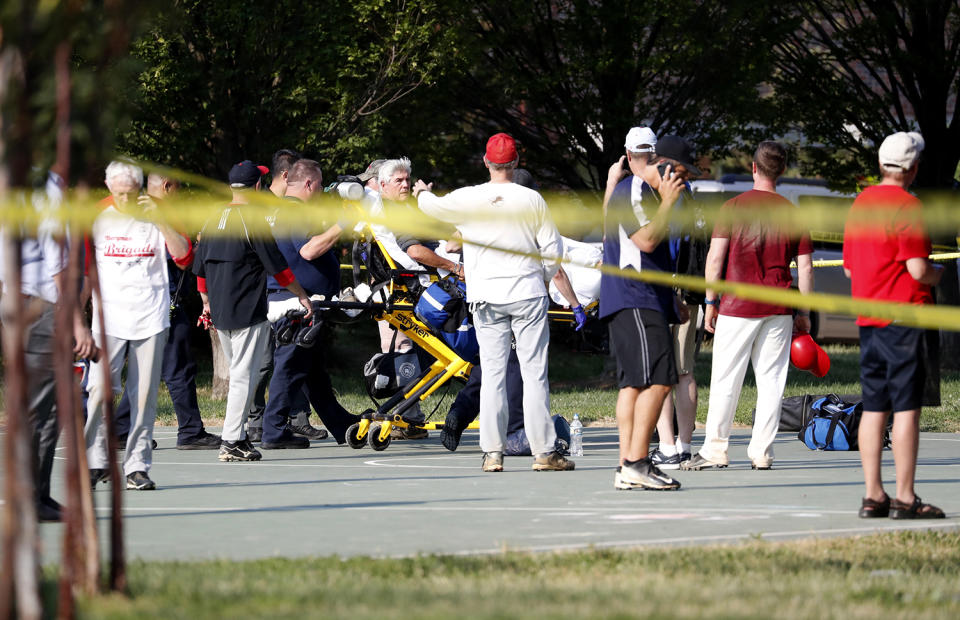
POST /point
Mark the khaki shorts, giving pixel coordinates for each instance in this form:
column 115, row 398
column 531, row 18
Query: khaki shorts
column 685, row 341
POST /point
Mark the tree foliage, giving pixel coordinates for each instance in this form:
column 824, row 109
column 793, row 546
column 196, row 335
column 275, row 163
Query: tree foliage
column 568, row 78
column 854, row 71
column 226, row 81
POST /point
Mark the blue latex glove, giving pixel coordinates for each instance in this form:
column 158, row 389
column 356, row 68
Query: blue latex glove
column 579, row 316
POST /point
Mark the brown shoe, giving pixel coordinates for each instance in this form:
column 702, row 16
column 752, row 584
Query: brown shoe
column 408, row 433
column 492, row 461
column 552, row 461
column 916, row 510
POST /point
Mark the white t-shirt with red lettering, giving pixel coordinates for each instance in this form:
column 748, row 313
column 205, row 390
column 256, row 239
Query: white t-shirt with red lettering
column 131, row 259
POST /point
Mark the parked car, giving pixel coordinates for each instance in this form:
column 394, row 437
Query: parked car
column 802, row 192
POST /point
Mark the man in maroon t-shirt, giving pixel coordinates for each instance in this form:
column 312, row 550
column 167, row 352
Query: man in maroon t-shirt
column 885, row 250
column 755, row 250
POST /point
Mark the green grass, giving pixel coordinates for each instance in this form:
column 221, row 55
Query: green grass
column 580, row 383
column 898, row 575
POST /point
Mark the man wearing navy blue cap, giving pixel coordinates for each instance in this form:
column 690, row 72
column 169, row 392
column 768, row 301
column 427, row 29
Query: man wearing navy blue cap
column 232, row 262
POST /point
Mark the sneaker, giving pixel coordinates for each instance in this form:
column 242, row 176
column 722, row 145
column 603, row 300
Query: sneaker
column 762, row 465
column 699, row 462
column 622, row 485
column 552, row 461
column 97, row 476
column 492, row 461
column 240, row 450
column 307, row 430
column 663, row 461
column 645, row 474
column 288, row 442
column 139, row 481
column 684, row 457
column 203, row 441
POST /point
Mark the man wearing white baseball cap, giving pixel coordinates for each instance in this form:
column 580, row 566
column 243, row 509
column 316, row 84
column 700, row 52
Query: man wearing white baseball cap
column 885, row 255
column 640, row 146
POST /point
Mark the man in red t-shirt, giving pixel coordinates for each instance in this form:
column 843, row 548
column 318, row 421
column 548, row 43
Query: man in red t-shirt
column 885, row 250
column 754, row 250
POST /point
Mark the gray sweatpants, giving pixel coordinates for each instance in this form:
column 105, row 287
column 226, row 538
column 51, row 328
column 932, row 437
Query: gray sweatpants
column 527, row 321
column 244, row 349
column 144, row 359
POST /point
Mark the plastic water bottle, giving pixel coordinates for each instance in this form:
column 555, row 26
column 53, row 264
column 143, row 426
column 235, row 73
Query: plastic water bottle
column 576, row 436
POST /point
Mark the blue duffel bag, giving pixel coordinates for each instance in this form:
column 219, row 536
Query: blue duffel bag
column 833, row 424
column 443, row 306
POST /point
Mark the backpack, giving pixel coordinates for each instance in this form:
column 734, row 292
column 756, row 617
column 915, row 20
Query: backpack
column 385, row 374
column 517, row 443
column 833, row 424
column 443, row 307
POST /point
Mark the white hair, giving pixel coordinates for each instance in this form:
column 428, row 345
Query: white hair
column 121, row 170
column 389, row 167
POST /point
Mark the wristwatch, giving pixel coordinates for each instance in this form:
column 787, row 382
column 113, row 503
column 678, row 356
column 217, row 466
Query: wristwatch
column 711, row 302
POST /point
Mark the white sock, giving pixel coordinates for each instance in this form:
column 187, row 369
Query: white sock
column 684, row 447
column 668, row 449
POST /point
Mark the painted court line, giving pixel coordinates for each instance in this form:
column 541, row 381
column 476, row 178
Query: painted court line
column 680, row 540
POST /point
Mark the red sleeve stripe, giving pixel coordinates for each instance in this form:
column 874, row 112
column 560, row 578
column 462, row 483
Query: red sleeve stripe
column 285, row 277
column 186, row 259
column 201, row 284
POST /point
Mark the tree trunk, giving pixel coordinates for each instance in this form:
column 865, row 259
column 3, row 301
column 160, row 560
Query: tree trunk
column 221, row 368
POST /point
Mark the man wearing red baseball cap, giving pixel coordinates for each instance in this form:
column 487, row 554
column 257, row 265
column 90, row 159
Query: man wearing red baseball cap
column 511, row 249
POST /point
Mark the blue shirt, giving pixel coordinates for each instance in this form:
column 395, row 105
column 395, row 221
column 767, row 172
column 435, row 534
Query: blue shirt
column 320, row 276
column 621, row 222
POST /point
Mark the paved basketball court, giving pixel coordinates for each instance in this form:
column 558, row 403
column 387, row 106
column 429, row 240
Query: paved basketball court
column 416, row 497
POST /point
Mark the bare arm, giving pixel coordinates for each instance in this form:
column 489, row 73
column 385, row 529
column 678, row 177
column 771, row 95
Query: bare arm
column 805, row 285
column 923, row 271
column 650, row 236
column 318, row 245
column 615, row 174
column 716, row 258
column 84, row 345
column 425, row 256
column 565, row 288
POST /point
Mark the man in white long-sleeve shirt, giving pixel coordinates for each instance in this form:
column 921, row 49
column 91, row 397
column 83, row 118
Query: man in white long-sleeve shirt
column 510, row 251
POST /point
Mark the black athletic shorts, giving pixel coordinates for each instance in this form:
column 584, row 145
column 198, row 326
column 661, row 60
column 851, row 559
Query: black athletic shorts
column 892, row 367
column 642, row 344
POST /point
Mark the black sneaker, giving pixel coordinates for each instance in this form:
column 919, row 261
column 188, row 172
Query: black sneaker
column 451, row 432
column 139, row 481
column 289, row 442
column 309, row 431
column 698, row 462
column 204, row 441
column 98, row 475
column 240, row 450
column 663, row 461
column 645, row 474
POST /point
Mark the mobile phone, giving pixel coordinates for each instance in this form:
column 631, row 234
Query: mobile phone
column 662, row 169
column 626, row 164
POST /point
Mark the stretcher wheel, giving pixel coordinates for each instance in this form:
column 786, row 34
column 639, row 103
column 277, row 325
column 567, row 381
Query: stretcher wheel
column 354, row 440
column 373, row 437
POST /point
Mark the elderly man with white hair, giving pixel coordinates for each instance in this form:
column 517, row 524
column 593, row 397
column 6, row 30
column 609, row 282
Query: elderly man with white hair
column 130, row 248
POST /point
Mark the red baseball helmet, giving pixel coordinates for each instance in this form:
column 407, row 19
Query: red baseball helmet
column 804, row 352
